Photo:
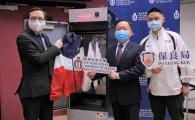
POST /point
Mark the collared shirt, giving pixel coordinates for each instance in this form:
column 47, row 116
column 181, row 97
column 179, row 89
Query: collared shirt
column 43, row 40
column 124, row 45
column 167, row 82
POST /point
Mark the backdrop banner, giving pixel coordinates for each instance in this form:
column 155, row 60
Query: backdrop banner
column 135, row 11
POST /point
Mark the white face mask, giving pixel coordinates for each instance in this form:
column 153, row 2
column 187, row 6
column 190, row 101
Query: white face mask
column 36, row 26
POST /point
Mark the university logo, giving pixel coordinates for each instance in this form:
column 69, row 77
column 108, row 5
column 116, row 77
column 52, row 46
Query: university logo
column 134, row 17
column 176, row 15
column 112, row 2
column 78, row 64
column 151, row 1
column 147, row 58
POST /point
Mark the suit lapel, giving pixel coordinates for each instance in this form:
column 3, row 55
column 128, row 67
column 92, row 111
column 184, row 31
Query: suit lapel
column 34, row 39
column 113, row 54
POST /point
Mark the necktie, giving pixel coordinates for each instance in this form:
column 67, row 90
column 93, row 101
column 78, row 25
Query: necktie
column 42, row 41
column 119, row 53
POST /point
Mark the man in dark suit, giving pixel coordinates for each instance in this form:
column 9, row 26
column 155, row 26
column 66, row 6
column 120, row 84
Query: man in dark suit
column 37, row 58
column 124, row 87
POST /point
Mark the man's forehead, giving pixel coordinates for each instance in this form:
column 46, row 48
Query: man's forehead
column 37, row 12
column 154, row 14
column 123, row 23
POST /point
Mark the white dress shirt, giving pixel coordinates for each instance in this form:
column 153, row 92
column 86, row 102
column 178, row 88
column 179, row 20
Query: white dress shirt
column 124, row 46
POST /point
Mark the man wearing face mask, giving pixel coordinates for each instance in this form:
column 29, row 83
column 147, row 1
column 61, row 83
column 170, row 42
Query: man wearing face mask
column 123, row 84
column 37, row 58
column 165, row 86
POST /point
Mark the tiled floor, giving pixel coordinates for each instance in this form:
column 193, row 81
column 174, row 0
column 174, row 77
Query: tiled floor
column 190, row 116
column 60, row 117
column 63, row 117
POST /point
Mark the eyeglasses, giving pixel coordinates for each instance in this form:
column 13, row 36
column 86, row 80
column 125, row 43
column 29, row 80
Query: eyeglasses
column 34, row 19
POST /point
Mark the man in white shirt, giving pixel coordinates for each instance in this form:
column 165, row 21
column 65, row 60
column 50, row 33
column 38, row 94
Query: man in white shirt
column 165, row 85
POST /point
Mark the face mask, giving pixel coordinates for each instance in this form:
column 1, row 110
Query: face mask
column 36, row 26
column 154, row 25
column 121, row 35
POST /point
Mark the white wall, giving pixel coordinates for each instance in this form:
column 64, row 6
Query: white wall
column 187, row 24
column 188, row 27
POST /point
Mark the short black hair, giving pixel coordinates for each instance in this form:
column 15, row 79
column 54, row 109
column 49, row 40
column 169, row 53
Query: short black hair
column 120, row 20
column 38, row 9
column 155, row 10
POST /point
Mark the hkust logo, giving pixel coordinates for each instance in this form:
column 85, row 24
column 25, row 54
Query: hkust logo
column 112, row 2
column 151, row 1
column 176, row 15
column 134, row 17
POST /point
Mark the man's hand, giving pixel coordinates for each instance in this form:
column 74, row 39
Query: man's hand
column 58, row 43
column 113, row 75
column 91, row 74
column 157, row 70
column 185, row 90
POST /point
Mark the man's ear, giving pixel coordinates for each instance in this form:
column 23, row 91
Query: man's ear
column 46, row 22
column 26, row 24
column 131, row 33
column 163, row 19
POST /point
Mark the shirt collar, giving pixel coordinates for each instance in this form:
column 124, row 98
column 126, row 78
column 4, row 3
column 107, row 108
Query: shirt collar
column 160, row 32
column 124, row 44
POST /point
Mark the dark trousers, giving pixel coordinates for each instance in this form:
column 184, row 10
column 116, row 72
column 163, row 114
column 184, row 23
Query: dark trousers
column 174, row 105
column 125, row 112
column 39, row 108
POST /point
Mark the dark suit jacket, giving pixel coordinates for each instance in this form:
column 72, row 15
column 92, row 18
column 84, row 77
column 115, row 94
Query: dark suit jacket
column 126, row 90
column 37, row 64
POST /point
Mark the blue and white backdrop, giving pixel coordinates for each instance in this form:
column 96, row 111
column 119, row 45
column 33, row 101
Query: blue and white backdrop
column 136, row 12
